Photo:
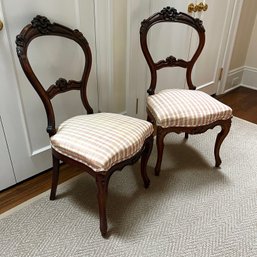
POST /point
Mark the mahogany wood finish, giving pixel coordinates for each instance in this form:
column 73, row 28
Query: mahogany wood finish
column 242, row 100
column 41, row 26
column 169, row 14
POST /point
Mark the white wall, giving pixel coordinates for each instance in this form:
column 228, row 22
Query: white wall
column 243, row 66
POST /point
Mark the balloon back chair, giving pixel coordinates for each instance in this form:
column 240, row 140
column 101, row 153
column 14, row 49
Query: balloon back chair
column 181, row 110
column 98, row 143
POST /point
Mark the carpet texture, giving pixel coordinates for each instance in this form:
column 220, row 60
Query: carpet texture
column 192, row 209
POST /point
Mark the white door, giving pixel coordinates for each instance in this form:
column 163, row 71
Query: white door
column 216, row 19
column 181, row 42
column 24, row 117
column 6, row 171
column 161, row 44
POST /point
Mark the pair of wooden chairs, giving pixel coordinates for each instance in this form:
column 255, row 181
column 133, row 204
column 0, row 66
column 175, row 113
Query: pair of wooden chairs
column 102, row 143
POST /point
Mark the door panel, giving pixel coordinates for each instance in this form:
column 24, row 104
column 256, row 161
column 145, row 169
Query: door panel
column 6, row 172
column 215, row 20
column 50, row 60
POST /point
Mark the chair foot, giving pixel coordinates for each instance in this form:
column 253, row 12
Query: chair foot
column 220, row 138
column 145, row 157
column 103, row 231
column 55, row 177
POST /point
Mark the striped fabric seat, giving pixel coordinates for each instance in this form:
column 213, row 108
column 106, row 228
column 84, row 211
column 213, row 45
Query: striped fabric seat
column 186, row 108
column 101, row 140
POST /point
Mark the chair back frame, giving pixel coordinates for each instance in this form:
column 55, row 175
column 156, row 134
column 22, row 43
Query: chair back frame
column 169, row 14
column 41, row 26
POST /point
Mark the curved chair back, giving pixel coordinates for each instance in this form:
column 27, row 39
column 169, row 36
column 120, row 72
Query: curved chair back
column 169, row 14
column 41, row 26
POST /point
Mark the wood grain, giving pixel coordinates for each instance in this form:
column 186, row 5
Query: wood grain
column 243, row 101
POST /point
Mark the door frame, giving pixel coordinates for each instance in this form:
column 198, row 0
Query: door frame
column 230, row 44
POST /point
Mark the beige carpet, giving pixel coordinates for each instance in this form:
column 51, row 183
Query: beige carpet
column 192, row 209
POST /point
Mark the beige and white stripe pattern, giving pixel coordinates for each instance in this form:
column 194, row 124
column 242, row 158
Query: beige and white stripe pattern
column 186, row 108
column 101, row 140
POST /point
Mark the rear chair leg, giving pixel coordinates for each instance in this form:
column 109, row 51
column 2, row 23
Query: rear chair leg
column 55, row 177
column 144, row 159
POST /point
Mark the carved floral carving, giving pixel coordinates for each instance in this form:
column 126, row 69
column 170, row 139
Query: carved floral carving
column 41, row 23
column 20, row 44
column 62, row 84
column 171, row 60
column 169, row 13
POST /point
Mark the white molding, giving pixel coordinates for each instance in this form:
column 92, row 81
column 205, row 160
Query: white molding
column 234, row 78
column 249, row 78
column 232, row 88
column 230, row 43
column 104, row 51
column 248, row 86
column 237, row 70
column 245, row 75
column 207, row 88
column 251, row 69
column 41, row 150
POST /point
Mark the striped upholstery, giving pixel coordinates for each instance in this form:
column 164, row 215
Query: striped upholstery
column 186, row 108
column 101, row 140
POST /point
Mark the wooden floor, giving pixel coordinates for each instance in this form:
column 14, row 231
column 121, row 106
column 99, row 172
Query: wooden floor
column 242, row 100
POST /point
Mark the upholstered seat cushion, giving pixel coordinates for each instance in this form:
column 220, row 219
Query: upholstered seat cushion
column 101, row 140
column 186, row 108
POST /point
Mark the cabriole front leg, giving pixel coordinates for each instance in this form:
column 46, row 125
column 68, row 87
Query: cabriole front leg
column 102, row 187
column 225, row 127
column 160, row 146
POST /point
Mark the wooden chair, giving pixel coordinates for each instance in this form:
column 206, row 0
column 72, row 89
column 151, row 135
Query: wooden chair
column 98, row 143
column 181, row 110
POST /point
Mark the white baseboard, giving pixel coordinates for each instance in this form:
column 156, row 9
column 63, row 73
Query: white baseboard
column 232, row 88
column 243, row 76
column 248, row 86
column 234, row 79
column 250, row 77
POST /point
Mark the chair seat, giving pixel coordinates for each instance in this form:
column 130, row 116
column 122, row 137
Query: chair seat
column 101, row 140
column 186, row 108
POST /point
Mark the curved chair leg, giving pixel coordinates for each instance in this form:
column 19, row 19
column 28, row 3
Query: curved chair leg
column 160, row 145
column 102, row 186
column 220, row 137
column 55, row 177
column 144, row 159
